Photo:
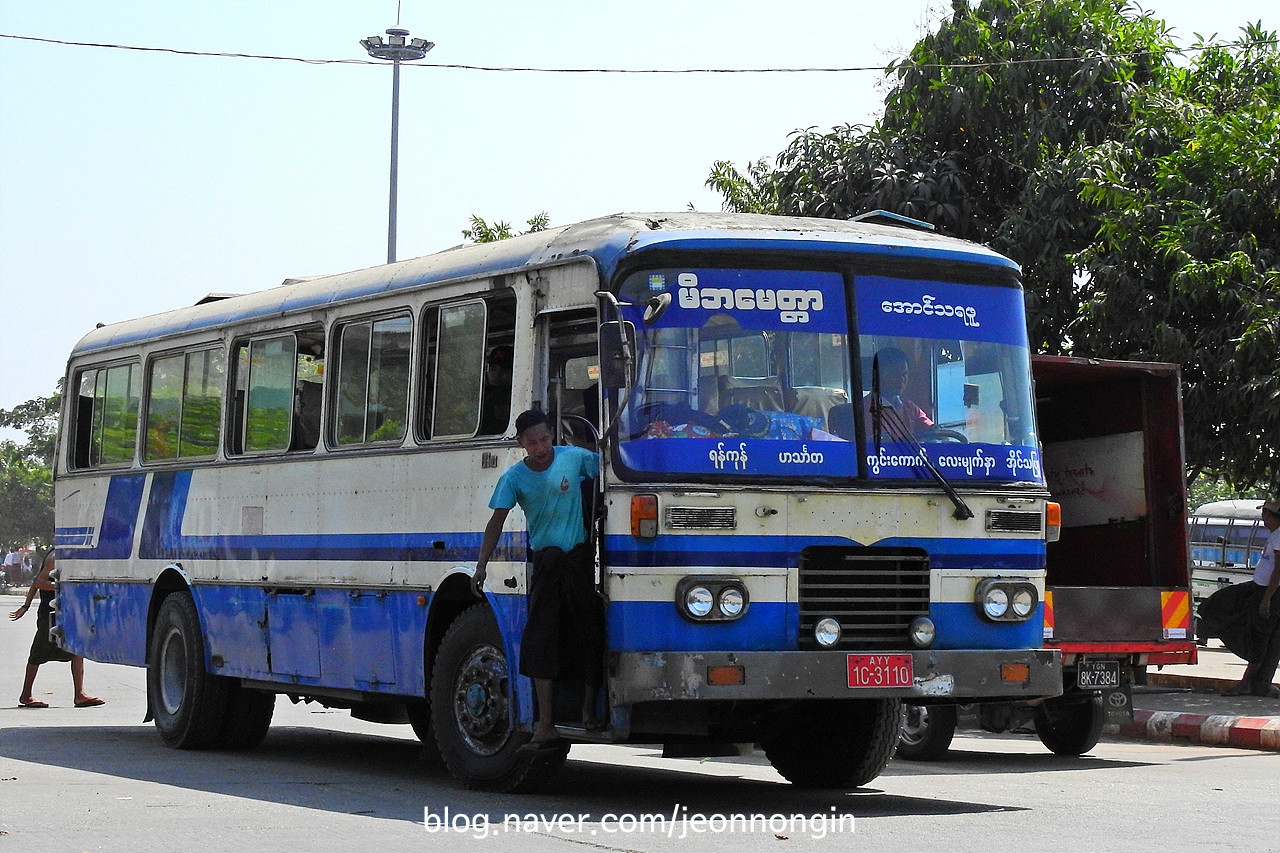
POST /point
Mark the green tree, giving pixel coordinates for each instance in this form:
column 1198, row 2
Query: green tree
column 980, row 136
column 1186, row 263
column 26, row 479
column 1138, row 193
column 485, row 232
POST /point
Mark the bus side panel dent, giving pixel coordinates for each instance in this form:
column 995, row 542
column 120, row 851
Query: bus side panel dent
column 511, row 611
column 235, row 628
column 104, row 621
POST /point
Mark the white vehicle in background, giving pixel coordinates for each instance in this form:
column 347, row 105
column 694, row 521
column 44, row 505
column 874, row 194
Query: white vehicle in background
column 1226, row 539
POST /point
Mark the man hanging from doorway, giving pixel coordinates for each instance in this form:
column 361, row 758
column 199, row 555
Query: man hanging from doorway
column 564, row 634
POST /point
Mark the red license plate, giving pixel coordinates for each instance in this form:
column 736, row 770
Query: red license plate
column 880, row 671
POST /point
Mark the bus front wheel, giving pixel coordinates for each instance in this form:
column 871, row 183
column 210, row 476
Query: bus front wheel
column 190, row 704
column 471, row 710
column 836, row 744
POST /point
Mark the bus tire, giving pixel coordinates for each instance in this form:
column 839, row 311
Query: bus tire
column 471, row 711
column 420, row 721
column 837, row 744
column 190, row 703
column 927, row 731
column 248, row 718
column 1070, row 727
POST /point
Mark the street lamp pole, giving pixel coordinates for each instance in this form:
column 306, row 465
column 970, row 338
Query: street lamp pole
column 398, row 48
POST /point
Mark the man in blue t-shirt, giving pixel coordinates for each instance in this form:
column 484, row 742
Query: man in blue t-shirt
column 564, row 632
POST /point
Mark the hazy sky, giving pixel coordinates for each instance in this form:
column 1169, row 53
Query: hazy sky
column 133, row 182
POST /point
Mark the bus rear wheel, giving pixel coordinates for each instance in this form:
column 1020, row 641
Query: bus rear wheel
column 1070, row 727
column 471, row 712
column 190, row 704
column 837, row 744
column 927, row 731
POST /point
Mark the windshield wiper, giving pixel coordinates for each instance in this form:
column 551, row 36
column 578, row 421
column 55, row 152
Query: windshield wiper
column 882, row 415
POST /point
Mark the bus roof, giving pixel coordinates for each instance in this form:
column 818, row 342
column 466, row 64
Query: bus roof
column 1230, row 509
column 607, row 241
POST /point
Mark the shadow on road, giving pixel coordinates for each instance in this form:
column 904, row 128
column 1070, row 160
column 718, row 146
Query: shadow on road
column 385, row 777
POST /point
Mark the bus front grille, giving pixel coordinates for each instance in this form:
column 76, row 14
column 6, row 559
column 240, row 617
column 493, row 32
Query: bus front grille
column 873, row 593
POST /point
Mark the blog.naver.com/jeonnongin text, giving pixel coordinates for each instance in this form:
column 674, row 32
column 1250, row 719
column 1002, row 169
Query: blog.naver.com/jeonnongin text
column 677, row 824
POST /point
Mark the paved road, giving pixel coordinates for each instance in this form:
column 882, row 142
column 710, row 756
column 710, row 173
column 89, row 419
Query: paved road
column 99, row 779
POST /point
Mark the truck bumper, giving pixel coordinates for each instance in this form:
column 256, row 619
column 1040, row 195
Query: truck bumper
column 941, row 675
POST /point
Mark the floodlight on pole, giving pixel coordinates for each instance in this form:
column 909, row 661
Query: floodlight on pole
column 398, row 48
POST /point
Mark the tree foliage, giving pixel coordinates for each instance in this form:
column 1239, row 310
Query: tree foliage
column 482, row 231
column 26, row 479
column 1137, row 190
column 1186, row 263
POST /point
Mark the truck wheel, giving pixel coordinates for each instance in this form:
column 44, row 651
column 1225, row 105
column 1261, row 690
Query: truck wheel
column 471, row 711
column 838, row 744
column 927, row 731
column 1070, row 727
column 190, row 703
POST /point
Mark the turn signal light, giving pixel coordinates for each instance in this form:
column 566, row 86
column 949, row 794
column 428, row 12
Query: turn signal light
column 1052, row 521
column 644, row 516
column 726, row 675
column 1016, row 673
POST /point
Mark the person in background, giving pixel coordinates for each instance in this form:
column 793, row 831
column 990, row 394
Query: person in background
column 43, row 649
column 1247, row 618
column 495, row 402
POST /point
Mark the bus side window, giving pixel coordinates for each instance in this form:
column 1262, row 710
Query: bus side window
column 277, row 393
column 107, row 416
column 184, row 405
column 459, row 338
column 372, row 380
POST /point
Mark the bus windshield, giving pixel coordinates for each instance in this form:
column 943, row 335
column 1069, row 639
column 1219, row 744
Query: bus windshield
column 753, row 373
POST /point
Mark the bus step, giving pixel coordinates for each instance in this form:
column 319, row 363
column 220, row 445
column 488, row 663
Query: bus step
column 580, row 734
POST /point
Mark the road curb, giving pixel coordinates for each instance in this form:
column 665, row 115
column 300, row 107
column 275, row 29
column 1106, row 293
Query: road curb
column 1198, row 683
column 1204, row 729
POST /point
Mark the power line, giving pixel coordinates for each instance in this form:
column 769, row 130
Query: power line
column 1093, row 57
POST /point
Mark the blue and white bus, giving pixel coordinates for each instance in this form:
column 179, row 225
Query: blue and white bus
column 1226, row 540
column 820, row 493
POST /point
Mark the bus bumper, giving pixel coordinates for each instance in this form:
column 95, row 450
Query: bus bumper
column 965, row 676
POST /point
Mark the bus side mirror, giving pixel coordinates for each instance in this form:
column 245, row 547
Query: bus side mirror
column 618, row 354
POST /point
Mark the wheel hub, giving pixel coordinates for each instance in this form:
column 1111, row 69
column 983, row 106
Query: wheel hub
column 480, row 700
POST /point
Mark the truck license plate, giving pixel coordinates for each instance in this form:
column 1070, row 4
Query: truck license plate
column 880, row 671
column 1098, row 673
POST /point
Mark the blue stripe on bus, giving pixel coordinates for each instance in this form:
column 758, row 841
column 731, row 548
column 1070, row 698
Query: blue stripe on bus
column 162, row 537
column 753, row 551
column 655, row 626
column 336, row 638
column 960, row 627
column 119, row 520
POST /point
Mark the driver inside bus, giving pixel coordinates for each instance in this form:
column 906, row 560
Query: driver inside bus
column 895, row 372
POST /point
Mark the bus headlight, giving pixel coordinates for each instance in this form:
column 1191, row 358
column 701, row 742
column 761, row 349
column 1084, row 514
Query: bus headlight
column 995, row 602
column 1006, row 600
column 711, row 599
column 1024, row 601
column 697, row 602
column 731, row 602
column 827, row 632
